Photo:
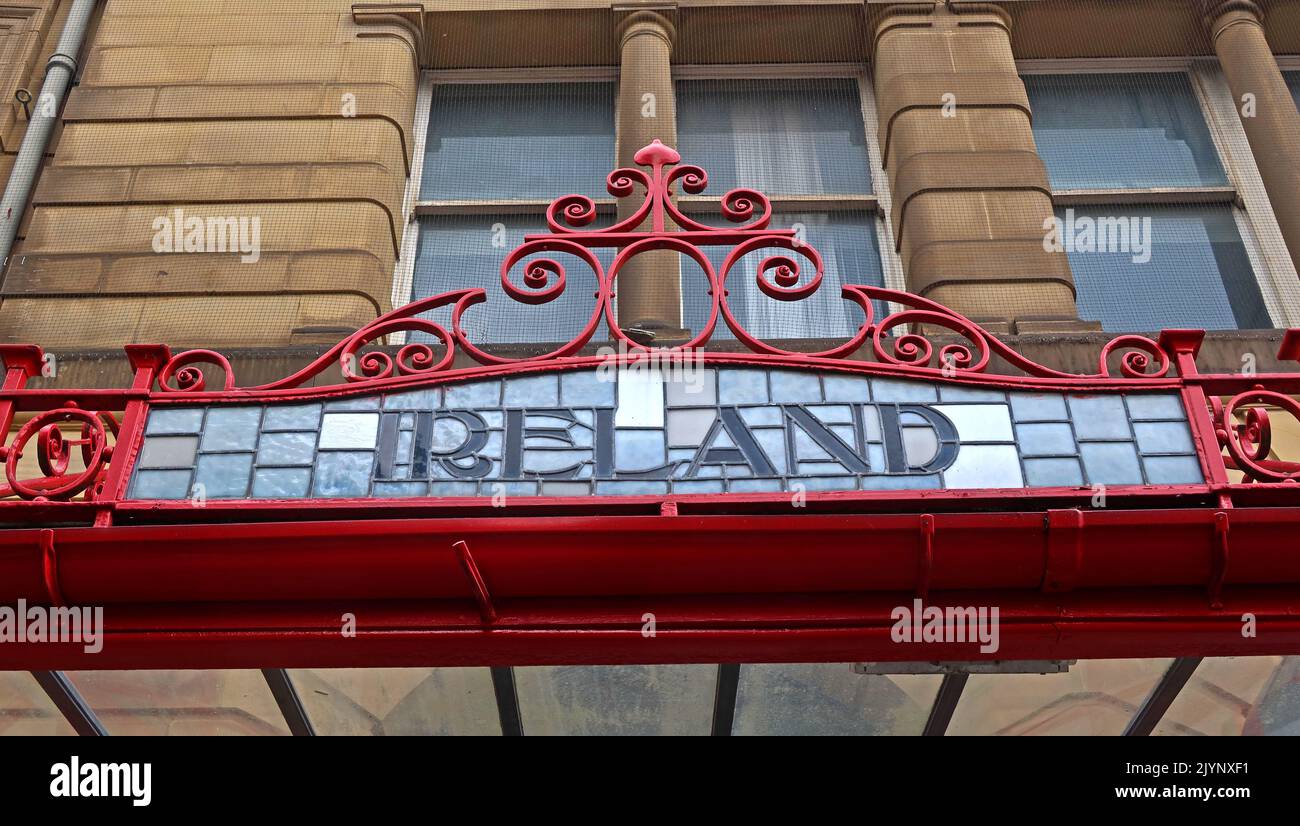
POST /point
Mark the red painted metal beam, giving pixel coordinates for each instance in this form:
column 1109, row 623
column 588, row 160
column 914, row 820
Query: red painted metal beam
column 826, row 628
column 1069, row 584
column 541, row 557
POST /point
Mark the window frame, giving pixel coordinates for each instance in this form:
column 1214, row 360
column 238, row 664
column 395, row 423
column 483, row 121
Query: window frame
column 415, row 208
column 1245, row 197
column 877, row 203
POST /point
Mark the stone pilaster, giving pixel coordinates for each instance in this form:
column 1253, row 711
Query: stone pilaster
column 649, row 287
column 970, row 193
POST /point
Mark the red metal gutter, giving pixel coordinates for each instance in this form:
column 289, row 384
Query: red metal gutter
column 1069, row 584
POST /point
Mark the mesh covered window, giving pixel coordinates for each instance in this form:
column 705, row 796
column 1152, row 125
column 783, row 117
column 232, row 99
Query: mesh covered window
column 1190, row 269
column 801, row 137
column 782, row 137
column 847, row 244
column 458, row 252
column 1293, row 81
column 518, row 141
column 1122, row 131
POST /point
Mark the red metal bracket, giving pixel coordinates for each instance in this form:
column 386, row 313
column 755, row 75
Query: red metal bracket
column 481, row 594
column 926, row 559
column 1064, row 550
column 50, row 569
column 1219, row 559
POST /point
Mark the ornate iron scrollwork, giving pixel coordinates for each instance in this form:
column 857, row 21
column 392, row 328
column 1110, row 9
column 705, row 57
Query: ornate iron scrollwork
column 902, row 339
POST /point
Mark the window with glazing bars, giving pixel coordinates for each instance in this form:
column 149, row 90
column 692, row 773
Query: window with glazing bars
column 1146, row 211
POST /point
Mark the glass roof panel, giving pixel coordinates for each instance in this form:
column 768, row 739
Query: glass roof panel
column 829, row 699
column 623, row 700
column 398, row 701
column 1094, row 697
column 1238, row 695
column 181, row 702
column 26, row 710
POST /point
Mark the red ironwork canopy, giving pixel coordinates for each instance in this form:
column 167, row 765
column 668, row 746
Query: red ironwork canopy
column 1153, row 570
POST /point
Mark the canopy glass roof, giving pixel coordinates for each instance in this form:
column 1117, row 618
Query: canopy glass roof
column 1219, row 696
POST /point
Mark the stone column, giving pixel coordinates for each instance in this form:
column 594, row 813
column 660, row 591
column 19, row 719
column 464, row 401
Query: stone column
column 1265, row 106
column 971, row 196
column 649, row 287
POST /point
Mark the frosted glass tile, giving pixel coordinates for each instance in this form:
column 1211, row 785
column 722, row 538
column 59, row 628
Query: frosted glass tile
column 1049, row 473
column 926, row 482
column 231, row 428
column 950, row 393
column 1152, row 407
column 547, row 461
column 828, row 483
column 758, row 416
column 742, row 386
column 224, row 476
column 985, row 466
column 689, row 427
column 161, row 484
column 281, row 483
column 832, row 413
column 846, row 389
column 426, row 399
column 533, row 391
column 876, row 457
column 492, row 447
column 919, row 445
column 806, row 449
column 773, row 444
column 298, row 417
column 349, row 430
column 979, row 422
column 1038, row 407
column 795, row 387
column 698, row 486
column 894, row 390
column 631, row 488
column 449, row 435
column 401, row 490
column 1111, row 464
column 174, row 421
column 566, row 488
column 756, row 485
column 586, row 388
column 823, row 469
column 1046, row 439
column 1163, row 437
column 474, row 394
column 1099, row 417
column 343, row 474
column 691, row 386
column 169, row 452
column 355, row 403
column 453, row 489
column 638, row 449
column 1173, row 470
column 287, row 449
column 640, row 399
